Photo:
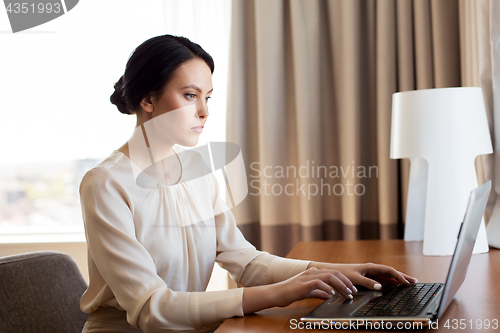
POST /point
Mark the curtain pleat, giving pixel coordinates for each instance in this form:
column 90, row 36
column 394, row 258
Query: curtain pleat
column 386, row 85
column 445, row 43
column 480, row 37
column 310, row 89
column 492, row 162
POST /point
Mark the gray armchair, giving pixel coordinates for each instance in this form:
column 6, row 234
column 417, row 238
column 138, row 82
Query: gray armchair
column 40, row 292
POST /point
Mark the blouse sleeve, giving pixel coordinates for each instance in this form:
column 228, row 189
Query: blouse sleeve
column 246, row 265
column 129, row 272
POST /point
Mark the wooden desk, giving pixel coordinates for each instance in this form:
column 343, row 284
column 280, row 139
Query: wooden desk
column 478, row 299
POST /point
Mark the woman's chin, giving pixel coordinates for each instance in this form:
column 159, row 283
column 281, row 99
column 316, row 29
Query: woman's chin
column 190, row 143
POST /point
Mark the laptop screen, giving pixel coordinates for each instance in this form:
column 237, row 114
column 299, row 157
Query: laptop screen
column 465, row 244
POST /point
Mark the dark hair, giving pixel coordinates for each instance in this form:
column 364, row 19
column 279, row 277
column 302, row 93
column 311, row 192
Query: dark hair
column 150, row 68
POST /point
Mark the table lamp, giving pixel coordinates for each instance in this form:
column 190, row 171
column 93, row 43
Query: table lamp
column 441, row 131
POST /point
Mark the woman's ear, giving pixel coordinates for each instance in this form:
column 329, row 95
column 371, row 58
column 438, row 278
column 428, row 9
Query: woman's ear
column 147, row 103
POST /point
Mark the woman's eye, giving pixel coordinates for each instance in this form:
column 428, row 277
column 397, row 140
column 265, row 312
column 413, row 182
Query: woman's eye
column 190, row 96
column 206, row 99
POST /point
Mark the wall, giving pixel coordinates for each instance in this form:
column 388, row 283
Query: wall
column 77, row 250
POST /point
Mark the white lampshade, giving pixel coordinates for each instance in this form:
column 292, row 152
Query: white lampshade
column 441, row 131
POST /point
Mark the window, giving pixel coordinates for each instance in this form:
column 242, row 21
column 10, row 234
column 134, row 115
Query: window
column 56, row 118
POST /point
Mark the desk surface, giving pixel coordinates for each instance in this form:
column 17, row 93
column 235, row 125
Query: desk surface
column 477, row 300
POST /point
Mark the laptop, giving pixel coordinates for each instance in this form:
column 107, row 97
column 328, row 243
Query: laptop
column 401, row 306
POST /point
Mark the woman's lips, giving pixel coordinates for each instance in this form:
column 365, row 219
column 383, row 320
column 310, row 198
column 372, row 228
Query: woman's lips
column 197, row 129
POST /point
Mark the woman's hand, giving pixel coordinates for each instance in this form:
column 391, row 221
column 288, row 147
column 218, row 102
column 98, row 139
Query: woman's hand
column 313, row 282
column 321, row 280
column 369, row 275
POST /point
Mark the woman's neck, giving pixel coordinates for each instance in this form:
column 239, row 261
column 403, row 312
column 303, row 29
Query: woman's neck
column 153, row 156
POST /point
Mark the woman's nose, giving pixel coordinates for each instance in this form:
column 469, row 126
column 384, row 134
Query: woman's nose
column 202, row 110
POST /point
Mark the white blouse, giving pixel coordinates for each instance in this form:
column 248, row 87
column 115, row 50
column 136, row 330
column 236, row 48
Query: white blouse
column 151, row 250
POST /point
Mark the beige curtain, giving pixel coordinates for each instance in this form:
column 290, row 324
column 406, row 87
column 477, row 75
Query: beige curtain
column 310, row 91
column 480, row 51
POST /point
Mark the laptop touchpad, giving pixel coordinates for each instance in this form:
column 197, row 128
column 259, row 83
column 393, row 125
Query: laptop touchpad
column 341, row 307
column 341, row 300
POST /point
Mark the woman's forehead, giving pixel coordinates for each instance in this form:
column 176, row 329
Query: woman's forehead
column 194, row 72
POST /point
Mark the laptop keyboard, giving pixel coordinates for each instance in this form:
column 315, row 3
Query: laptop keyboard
column 400, row 300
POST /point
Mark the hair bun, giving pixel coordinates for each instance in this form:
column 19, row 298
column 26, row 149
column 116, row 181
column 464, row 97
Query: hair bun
column 117, row 98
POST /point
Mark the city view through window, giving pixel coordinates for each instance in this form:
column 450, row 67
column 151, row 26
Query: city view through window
column 41, row 194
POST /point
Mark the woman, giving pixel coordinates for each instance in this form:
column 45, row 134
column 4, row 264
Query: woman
column 153, row 234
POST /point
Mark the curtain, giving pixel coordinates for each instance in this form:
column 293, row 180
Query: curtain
column 309, row 103
column 480, row 51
